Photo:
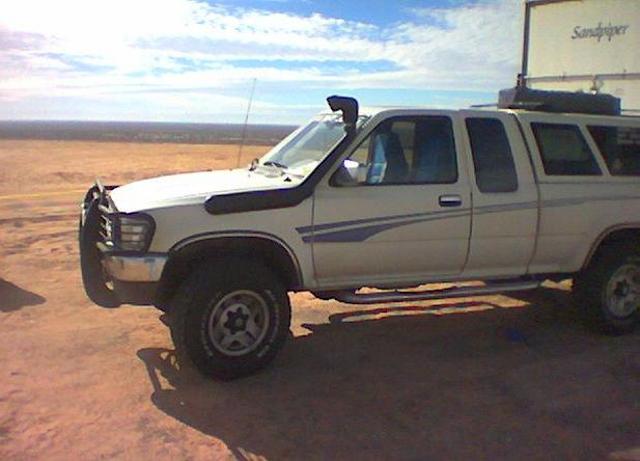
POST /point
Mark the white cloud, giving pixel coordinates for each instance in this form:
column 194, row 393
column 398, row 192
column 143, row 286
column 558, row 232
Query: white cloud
column 86, row 48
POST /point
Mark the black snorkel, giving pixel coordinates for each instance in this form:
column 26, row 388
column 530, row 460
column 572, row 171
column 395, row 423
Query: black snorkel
column 349, row 108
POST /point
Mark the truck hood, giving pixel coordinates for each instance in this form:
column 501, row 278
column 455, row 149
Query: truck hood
column 192, row 188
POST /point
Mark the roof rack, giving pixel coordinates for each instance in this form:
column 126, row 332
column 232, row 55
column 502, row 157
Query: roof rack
column 521, row 97
column 481, row 106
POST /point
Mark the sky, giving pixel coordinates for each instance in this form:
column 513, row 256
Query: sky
column 197, row 60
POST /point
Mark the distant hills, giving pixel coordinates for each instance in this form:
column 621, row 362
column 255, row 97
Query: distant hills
column 190, row 133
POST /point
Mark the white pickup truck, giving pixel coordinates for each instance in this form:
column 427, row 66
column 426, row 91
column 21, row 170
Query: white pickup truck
column 547, row 186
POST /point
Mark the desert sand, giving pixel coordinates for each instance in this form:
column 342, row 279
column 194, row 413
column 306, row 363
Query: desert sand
column 482, row 378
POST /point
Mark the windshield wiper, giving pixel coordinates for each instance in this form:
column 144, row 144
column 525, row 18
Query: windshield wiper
column 276, row 164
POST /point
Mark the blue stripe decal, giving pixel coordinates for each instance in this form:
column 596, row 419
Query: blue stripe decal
column 380, row 219
column 333, row 225
column 373, row 226
column 362, row 233
column 505, row 207
column 397, row 219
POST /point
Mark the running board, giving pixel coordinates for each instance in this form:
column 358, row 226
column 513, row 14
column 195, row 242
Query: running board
column 351, row 297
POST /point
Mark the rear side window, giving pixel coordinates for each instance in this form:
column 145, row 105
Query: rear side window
column 564, row 150
column 492, row 157
column 620, row 147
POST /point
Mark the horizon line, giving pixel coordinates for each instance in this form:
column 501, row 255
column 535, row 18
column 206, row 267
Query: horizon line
column 140, row 121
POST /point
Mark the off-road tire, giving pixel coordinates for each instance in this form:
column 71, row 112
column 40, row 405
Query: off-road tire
column 190, row 310
column 590, row 290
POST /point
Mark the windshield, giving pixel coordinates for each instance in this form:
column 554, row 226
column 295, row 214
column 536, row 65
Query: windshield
column 305, row 148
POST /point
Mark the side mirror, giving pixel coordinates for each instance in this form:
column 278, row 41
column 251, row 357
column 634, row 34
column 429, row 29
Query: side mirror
column 349, row 174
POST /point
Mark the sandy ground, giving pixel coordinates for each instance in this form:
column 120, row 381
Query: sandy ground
column 483, row 378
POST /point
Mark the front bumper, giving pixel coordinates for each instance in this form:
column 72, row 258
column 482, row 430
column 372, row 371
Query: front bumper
column 111, row 277
column 128, row 268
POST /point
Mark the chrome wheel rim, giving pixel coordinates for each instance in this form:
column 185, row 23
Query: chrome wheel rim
column 623, row 291
column 238, row 322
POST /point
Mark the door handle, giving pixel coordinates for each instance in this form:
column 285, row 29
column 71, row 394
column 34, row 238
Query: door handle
column 450, row 201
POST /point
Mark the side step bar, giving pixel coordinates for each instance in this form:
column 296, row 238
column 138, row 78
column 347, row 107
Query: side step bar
column 351, row 297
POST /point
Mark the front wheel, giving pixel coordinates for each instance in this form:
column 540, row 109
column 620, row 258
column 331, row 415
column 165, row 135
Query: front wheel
column 609, row 290
column 230, row 320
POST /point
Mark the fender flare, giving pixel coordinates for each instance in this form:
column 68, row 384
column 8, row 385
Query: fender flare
column 603, row 236
column 183, row 253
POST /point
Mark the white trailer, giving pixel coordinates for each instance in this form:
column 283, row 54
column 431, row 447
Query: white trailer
column 583, row 45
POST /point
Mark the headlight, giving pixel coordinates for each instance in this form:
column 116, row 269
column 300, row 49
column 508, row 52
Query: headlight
column 134, row 231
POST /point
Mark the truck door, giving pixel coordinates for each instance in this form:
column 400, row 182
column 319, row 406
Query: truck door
column 505, row 196
column 405, row 215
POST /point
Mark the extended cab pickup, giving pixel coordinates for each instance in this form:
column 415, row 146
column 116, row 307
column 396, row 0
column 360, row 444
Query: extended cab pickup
column 382, row 198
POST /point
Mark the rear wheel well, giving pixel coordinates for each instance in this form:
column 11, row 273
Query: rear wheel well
column 183, row 262
column 615, row 238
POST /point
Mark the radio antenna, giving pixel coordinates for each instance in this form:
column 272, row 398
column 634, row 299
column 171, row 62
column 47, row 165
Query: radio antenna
column 246, row 121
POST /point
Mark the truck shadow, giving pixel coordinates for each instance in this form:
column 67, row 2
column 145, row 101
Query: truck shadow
column 527, row 382
column 13, row 298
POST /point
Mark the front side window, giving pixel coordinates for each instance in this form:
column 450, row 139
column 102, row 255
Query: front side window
column 564, row 150
column 406, row 150
column 492, row 157
column 620, row 147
